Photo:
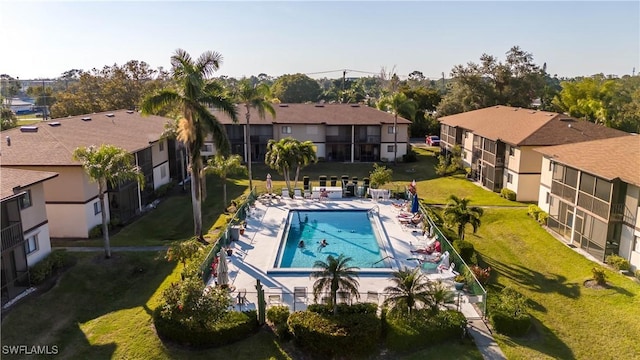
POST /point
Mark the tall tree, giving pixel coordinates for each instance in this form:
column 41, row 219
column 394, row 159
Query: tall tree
column 410, row 288
column 296, row 88
column 107, row 164
column 223, row 167
column 287, row 153
column 256, row 97
column 398, row 104
column 458, row 213
column 193, row 94
column 334, row 274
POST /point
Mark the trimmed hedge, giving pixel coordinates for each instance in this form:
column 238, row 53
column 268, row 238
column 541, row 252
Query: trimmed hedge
column 509, row 324
column 359, row 308
column 56, row 261
column 508, row 194
column 278, row 316
column 422, row 329
column 233, row 327
column 466, row 250
column 336, row 336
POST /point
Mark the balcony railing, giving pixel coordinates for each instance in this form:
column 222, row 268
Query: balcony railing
column 12, row 235
column 621, row 213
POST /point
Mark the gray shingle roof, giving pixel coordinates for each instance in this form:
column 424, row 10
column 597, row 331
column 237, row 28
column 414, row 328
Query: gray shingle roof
column 607, row 158
column 12, row 178
column 525, row 127
column 330, row 114
column 54, row 145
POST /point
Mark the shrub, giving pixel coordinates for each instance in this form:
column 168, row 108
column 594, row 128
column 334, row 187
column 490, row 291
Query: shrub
column 466, row 250
column 542, row 218
column 510, row 316
column 637, row 274
column 347, row 335
column 481, row 274
column 535, row 212
column 599, row 276
column 164, row 189
column 422, row 329
column 618, row 262
column 95, row 231
column 358, row 308
column 278, row 316
column 54, row 262
column 380, row 175
column 410, row 156
column 189, row 315
column 508, row 194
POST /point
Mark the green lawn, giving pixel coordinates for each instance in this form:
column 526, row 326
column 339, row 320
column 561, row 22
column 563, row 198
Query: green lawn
column 100, row 309
column 572, row 321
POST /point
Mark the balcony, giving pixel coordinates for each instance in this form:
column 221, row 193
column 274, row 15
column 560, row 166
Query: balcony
column 621, row 213
column 12, row 235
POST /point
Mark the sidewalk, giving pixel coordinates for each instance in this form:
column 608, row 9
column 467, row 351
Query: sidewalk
column 484, row 340
column 113, row 249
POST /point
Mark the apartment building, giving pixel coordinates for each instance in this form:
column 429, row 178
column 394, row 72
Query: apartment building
column 340, row 132
column 25, row 227
column 498, row 144
column 591, row 191
column 71, row 198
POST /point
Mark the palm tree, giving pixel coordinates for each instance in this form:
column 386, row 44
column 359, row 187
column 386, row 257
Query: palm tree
column 223, row 167
column 458, row 213
column 286, row 153
column 411, row 288
column 111, row 165
column 253, row 97
column 193, row 95
column 335, row 274
column 398, row 103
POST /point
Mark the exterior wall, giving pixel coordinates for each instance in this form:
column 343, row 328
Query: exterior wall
column 71, row 185
column 321, row 150
column 44, row 244
column 545, row 184
column 158, row 171
column 159, row 156
column 403, row 135
column 37, row 212
column 73, row 220
column 513, row 161
column 528, row 186
column 529, row 160
column 388, row 155
column 467, row 147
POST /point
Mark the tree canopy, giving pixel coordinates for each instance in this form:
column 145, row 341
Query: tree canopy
column 296, row 88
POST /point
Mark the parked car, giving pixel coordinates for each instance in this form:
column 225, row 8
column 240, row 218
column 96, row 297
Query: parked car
column 433, row 140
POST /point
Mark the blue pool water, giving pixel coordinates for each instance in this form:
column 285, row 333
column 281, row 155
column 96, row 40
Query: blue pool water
column 348, row 232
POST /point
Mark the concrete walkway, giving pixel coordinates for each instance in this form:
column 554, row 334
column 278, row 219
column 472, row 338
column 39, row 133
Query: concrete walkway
column 484, row 340
column 113, row 249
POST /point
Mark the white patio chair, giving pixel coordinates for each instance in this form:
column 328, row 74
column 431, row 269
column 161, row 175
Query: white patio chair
column 274, row 297
column 372, row 297
column 300, row 294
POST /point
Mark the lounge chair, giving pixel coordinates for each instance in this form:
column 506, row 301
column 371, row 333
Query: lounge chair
column 441, row 262
column 413, row 221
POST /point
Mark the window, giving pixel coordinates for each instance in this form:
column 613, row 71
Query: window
column 25, row 200
column 636, row 241
column 546, row 201
column 207, row 148
column 390, row 148
column 466, row 134
column 31, row 244
column 509, row 178
column 161, row 145
column 512, row 151
column 391, row 130
column 97, row 209
column 286, row 129
column 163, row 172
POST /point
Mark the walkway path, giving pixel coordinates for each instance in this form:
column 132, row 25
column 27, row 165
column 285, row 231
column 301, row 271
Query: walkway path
column 484, row 340
column 116, row 248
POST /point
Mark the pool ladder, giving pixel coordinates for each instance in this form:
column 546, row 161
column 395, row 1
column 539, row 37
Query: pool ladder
column 377, row 208
column 383, row 259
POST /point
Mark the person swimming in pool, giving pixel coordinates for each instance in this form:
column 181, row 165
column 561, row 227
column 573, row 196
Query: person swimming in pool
column 323, row 243
column 301, row 244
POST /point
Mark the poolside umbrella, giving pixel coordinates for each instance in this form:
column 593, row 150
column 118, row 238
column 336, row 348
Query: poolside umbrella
column 223, row 269
column 414, row 203
column 269, row 183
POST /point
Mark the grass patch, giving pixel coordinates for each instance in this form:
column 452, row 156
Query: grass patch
column 571, row 321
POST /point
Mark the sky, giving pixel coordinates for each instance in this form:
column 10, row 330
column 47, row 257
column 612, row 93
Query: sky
column 45, row 38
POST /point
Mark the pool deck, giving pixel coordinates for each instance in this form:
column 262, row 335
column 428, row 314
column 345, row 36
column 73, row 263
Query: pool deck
column 255, row 252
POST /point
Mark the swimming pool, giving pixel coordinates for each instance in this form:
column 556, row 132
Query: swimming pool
column 354, row 233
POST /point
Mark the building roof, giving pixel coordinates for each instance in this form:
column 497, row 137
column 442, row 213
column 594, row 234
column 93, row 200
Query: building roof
column 54, row 141
column 525, row 127
column 16, row 178
column 608, row 158
column 329, row 114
